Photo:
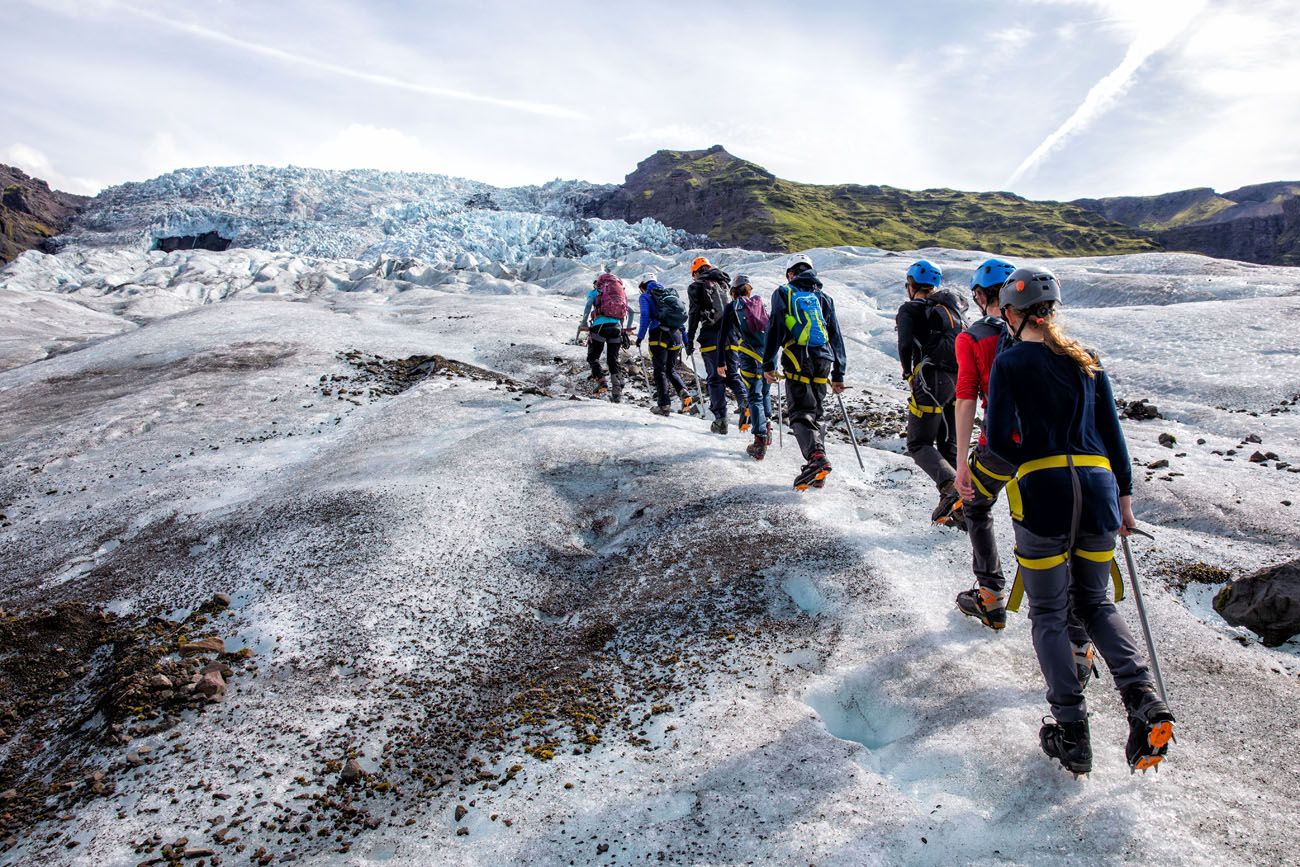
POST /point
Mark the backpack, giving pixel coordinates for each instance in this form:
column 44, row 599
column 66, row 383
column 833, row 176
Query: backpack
column 715, row 293
column 611, row 299
column 753, row 317
column 804, row 317
column 943, row 315
column 671, row 314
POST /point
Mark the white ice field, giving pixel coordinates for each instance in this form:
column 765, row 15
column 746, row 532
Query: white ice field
column 788, row 678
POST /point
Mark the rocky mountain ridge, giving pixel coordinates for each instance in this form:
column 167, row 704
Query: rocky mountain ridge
column 31, row 212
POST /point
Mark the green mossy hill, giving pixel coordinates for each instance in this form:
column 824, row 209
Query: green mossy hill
column 736, row 202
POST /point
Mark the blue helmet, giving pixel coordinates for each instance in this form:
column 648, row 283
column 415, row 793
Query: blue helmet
column 923, row 273
column 993, row 273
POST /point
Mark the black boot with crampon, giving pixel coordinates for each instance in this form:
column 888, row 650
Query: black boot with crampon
column 949, row 512
column 1085, row 663
column 987, row 606
column 814, row 473
column 1150, row 727
column 1068, row 743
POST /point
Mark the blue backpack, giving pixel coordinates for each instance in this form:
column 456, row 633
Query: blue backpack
column 804, row 318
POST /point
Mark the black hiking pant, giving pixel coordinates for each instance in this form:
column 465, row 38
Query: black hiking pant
column 714, row 356
column 609, row 338
column 665, row 352
column 932, row 424
column 805, row 397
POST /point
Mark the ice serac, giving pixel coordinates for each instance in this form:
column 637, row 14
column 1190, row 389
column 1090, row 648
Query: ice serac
column 361, row 214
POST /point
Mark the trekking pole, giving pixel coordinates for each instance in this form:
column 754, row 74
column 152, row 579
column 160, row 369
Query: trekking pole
column 852, row 436
column 699, row 389
column 1142, row 613
column 780, row 413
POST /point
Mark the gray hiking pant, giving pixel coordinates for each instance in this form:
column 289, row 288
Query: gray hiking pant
column 1056, row 579
column 931, row 426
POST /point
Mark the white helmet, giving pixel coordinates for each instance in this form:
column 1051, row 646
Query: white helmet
column 798, row 259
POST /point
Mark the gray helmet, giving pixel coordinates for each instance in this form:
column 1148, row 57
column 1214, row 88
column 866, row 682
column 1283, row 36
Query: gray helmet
column 738, row 281
column 1029, row 287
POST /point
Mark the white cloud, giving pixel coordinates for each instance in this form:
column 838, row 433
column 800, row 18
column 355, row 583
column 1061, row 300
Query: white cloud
column 38, row 165
column 1159, row 24
column 364, row 146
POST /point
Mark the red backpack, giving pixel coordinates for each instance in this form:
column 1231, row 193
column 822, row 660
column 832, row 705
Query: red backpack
column 611, row 299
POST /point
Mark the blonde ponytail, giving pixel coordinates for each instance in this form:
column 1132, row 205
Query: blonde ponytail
column 1054, row 339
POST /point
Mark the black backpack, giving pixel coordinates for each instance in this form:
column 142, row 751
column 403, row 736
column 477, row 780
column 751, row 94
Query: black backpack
column 716, row 288
column 943, row 316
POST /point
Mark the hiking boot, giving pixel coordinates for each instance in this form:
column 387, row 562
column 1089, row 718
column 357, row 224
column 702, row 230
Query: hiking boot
column 1150, row 727
column 719, row 425
column 949, row 511
column 988, row 607
column 757, row 449
column 816, row 470
column 1068, row 743
column 1085, row 663
column 688, row 402
column 601, row 387
column 616, row 396
column 661, row 410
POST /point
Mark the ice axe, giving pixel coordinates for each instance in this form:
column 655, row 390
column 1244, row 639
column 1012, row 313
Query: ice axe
column 641, row 358
column 1142, row 611
column 780, row 412
column 852, row 436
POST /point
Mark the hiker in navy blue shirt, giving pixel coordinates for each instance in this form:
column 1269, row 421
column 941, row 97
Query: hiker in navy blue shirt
column 607, row 319
column 708, row 302
column 804, row 331
column 744, row 332
column 1051, row 413
column 665, row 342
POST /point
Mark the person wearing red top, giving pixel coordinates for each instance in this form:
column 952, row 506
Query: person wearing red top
column 981, row 474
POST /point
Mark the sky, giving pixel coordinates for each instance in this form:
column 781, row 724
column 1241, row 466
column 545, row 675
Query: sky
column 1052, row 99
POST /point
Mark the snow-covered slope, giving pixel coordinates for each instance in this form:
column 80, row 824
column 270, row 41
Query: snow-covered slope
column 364, row 213
column 605, row 636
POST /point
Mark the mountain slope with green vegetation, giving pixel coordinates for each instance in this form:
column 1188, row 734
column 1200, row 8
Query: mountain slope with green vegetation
column 736, row 202
column 1258, row 223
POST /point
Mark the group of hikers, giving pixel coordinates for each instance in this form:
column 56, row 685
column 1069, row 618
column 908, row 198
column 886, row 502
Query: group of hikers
column 1050, row 438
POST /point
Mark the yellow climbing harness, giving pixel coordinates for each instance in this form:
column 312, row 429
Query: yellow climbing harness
column 1054, row 462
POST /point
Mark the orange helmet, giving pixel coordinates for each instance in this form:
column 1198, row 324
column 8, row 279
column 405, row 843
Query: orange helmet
column 700, row 262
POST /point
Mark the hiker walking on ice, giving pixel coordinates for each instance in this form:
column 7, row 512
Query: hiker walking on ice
column 607, row 319
column 803, row 330
column 662, row 319
column 744, row 332
column 707, row 295
column 1051, row 413
column 928, row 323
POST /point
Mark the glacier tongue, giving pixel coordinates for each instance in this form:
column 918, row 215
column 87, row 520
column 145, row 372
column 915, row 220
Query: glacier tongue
column 364, row 213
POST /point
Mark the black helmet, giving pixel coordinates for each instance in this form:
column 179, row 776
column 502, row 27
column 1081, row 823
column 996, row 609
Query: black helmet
column 1029, row 287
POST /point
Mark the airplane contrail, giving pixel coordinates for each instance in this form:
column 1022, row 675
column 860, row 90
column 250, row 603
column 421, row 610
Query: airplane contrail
column 1106, row 92
column 346, row 71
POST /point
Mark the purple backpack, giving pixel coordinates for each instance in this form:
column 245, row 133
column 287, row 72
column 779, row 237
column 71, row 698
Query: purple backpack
column 756, row 318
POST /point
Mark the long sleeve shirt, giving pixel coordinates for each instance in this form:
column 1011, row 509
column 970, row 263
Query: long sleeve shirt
column 778, row 334
column 913, row 328
column 1057, row 409
column 649, row 316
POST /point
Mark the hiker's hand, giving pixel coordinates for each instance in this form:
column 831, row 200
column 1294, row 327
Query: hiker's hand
column 770, row 376
column 837, row 387
column 1127, row 521
column 722, row 371
column 638, row 346
column 963, row 482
